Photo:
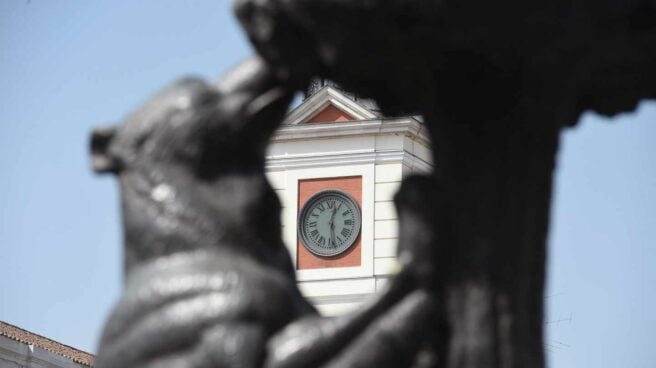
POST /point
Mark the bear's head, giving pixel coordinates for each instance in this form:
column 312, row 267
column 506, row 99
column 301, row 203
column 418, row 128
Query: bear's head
column 191, row 166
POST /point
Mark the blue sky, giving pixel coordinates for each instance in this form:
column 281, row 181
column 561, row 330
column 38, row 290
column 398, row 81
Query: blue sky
column 67, row 66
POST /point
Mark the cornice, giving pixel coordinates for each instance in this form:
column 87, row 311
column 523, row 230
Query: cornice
column 350, row 158
column 337, row 299
column 408, row 126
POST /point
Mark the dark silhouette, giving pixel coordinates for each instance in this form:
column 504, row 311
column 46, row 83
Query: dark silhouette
column 208, row 281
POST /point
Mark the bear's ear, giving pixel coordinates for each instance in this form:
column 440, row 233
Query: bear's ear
column 101, row 160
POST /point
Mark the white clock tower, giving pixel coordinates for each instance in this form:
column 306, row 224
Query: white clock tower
column 332, row 143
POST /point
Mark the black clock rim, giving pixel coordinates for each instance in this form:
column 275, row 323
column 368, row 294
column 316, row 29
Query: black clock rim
column 313, row 198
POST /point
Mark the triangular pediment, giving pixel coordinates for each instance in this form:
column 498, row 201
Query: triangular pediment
column 330, row 114
column 328, row 105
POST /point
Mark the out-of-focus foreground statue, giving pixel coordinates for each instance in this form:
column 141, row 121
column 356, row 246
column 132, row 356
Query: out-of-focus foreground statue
column 209, row 282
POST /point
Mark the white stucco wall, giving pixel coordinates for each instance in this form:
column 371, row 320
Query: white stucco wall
column 382, row 152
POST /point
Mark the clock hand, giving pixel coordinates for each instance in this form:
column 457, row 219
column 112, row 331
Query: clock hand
column 332, row 226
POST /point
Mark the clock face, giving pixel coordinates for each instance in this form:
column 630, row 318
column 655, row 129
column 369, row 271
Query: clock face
column 329, row 223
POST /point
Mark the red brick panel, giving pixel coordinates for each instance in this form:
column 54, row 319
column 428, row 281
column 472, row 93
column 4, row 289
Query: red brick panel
column 330, row 114
column 306, row 189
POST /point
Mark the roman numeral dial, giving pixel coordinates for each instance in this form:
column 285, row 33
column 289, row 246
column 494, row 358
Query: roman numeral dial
column 329, row 223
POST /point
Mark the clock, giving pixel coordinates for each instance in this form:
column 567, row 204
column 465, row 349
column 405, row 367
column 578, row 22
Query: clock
column 329, row 223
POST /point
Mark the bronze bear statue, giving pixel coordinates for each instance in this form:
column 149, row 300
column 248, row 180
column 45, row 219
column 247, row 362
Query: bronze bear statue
column 208, row 280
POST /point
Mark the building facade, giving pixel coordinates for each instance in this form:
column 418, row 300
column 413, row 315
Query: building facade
column 334, row 144
column 20, row 348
